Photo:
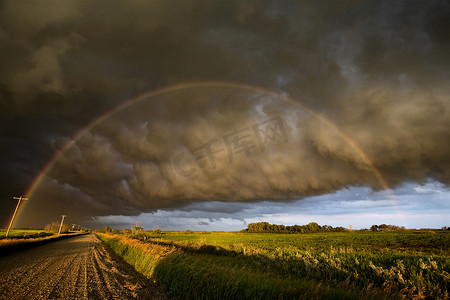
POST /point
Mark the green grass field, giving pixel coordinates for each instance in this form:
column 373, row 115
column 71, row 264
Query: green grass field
column 23, row 233
column 365, row 265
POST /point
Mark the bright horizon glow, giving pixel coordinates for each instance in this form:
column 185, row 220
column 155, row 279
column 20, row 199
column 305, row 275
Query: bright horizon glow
column 357, row 206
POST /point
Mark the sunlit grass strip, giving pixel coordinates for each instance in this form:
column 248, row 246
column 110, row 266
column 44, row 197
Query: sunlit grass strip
column 144, row 257
column 8, row 246
column 43, row 237
column 23, row 233
column 189, row 275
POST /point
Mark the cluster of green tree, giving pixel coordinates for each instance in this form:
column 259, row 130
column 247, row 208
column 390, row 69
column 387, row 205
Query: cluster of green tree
column 385, row 227
column 308, row 228
column 54, row 228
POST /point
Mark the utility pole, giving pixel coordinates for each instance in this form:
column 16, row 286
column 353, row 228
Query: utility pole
column 15, row 212
column 62, row 221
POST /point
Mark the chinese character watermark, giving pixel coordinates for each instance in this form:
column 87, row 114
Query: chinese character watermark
column 244, row 142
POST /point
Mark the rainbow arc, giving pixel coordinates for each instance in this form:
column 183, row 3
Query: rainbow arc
column 36, row 182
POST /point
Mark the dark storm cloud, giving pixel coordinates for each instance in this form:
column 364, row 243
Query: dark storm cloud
column 379, row 70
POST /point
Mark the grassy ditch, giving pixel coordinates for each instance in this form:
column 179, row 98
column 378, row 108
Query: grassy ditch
column 210, row 272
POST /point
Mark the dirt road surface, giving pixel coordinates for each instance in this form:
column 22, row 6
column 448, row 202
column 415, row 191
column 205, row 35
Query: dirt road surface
column 81, row 267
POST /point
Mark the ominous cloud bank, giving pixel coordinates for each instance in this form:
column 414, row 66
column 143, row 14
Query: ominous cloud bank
column 378, row 70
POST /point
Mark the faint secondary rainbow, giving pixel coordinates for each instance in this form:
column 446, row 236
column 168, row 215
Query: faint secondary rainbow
column 223, row 84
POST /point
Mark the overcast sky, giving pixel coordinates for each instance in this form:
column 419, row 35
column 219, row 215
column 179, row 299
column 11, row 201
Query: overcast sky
column 208, row 115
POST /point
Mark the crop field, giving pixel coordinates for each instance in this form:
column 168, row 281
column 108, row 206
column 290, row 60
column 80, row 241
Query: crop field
column 347, row 265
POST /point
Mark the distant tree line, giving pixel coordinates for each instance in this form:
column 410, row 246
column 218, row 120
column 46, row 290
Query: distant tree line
column 137, row 229
column 308, row 228
column 385, row 227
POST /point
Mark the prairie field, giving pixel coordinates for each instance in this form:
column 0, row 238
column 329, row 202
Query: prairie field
column 23, row 233
column 347, row 265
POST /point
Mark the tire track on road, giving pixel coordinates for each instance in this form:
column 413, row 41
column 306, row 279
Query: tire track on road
column 76, row 268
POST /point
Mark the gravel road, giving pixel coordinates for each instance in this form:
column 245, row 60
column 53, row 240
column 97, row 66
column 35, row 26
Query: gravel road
column 81, row 267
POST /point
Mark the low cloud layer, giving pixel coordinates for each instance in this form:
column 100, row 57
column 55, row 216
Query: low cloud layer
column 377, row 70
column 360, row 207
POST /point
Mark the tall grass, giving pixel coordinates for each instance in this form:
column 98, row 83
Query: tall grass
column 199, row 271
column 144, row 257
column 226, row 265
